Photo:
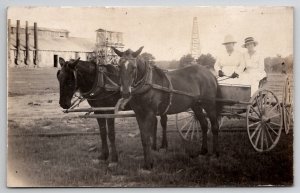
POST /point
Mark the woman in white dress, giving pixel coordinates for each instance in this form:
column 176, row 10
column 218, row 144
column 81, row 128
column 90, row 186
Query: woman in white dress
column 254, row 65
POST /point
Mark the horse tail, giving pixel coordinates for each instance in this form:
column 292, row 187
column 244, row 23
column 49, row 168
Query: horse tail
column 219, row 105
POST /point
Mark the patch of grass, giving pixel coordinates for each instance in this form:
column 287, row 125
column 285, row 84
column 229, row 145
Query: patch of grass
column 23, row 81
column 66, row 161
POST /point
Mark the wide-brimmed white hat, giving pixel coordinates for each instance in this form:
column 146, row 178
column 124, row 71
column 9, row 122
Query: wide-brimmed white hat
column 228, row 39
column 249, row 40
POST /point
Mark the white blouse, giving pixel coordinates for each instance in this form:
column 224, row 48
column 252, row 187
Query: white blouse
column 230, row 63
column 254, row 65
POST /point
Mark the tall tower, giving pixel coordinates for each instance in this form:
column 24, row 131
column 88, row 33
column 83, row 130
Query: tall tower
column 195, row 42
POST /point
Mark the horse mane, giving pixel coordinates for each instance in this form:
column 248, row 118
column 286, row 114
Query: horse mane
column 86, row 66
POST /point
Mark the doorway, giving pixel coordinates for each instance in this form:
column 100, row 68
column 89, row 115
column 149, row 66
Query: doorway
column 55, row 59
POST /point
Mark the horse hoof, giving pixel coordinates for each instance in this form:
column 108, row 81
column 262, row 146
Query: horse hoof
column 144, row 172
column 112, row 165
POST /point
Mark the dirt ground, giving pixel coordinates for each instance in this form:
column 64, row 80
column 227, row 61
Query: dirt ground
column 39, row 156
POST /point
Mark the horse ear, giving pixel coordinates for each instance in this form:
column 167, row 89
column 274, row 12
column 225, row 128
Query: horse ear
column 136, row 53
column 118, row 52
column 61, row 61
column 73, row 64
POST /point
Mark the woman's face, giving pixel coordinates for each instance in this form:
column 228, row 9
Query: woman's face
column 250, row 47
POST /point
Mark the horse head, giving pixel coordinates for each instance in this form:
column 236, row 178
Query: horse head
column 67, row 81
column 128, row 69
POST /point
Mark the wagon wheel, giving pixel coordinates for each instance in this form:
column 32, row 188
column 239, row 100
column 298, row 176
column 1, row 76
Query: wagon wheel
column 287, row 106
column 188, row 126
column 264, row 120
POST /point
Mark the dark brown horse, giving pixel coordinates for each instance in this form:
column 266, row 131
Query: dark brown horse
column 150, row 90
column 80, row 75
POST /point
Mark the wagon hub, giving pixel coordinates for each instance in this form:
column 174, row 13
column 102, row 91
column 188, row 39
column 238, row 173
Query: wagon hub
column 265, row 119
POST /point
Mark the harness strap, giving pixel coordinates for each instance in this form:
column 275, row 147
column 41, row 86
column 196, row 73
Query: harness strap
column 110, row 85
column 98, row 83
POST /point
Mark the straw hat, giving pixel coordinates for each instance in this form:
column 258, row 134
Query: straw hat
column 249, row 40
column 228, row 39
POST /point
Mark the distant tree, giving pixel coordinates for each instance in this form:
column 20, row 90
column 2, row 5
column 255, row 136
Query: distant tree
column 186, row 60
column 207, row 61
column 288, row 61
column 275, row 64
column 147, row 56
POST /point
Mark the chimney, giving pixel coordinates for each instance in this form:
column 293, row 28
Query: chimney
column 9, row 61
column 36, row 56
column 18, row 45
column 27, row 53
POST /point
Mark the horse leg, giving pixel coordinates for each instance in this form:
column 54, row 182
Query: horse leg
column 154, row 134
column 145, row 121
column 103, row 134
column 212, row 115
column 204, row 127
column 111, row 137
column 163, row 122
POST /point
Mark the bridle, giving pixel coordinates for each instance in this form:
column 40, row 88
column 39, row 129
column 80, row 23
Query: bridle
column 138, row 84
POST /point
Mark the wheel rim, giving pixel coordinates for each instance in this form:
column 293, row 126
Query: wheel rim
column 287, row 106
column 188, row 126
column 264, row 120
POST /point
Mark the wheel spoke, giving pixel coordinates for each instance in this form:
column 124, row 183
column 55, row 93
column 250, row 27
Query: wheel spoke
column 268, row 126
column 255, row 131
column 269, row 134
column 254, row 110
column 273, row 116
column 273, row 108
column 186, row 123
column 258, row 107
column 257, row 138
column 276, row 124
column 262, row 138
column 253, row 118
column 254, row 124
column 187, row 132
column 266, row 138
column 193, row 127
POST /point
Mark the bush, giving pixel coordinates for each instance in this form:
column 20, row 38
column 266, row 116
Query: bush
column 186, row 60
column 278, row 64
column 207, row 61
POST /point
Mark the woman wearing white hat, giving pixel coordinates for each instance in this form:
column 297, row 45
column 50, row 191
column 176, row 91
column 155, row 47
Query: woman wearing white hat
column 254, row 65
column 231, row 62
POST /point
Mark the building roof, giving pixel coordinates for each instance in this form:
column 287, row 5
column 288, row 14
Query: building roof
column 103, row 30
column 44, row 29
column 71, row 44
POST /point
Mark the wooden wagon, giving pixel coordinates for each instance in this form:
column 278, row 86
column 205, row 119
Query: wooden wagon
column 267, row 112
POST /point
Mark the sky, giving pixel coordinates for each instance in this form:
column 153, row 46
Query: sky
column 166, row 32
